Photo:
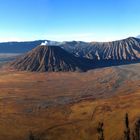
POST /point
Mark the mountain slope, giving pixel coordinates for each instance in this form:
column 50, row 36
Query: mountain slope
column 127, row 49
column 49, row 58
column 82, row 55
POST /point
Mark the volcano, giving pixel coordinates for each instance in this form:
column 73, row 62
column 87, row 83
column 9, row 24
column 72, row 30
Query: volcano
column 49, row 58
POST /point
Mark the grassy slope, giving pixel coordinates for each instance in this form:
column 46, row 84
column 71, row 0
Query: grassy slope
column 39, row 102
column 83, row 123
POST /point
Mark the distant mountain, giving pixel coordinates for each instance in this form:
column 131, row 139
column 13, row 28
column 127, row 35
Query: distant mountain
column 49, row 58
column 21, row 47
column 18, row 47
column 138, row 36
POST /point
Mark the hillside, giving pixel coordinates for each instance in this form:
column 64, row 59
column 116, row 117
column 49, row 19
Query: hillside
column 49, row 58
column 126, row 49
column 69, row 105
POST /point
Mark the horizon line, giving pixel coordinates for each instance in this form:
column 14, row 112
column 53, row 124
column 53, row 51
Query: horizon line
column 31, row 40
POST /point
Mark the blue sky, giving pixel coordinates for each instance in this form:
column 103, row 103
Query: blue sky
column 87, row 20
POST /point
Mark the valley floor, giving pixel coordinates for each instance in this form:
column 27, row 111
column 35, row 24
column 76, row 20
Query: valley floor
column 68, row 106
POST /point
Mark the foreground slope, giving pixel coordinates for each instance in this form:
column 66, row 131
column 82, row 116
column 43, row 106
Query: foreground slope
column 49, row 58
column 57, row 106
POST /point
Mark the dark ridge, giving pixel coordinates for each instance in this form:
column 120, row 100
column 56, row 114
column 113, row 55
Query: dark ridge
column 18, row 47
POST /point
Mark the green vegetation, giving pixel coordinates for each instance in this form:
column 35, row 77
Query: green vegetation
column 127, row 129
column 100, row 131
column 135, row 133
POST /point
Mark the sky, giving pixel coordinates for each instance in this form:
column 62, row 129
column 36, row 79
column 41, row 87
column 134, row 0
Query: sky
column 67, row 20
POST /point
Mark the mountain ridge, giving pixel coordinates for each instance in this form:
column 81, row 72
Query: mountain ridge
column 126, row 49
column 81, row 55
